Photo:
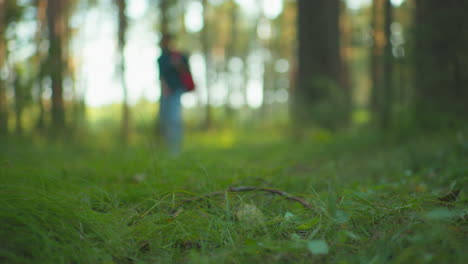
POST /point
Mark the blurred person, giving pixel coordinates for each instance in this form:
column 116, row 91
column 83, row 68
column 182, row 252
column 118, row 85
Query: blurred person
column 175, row 79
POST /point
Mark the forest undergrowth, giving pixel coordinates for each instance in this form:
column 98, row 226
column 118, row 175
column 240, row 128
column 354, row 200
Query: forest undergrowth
column 371, row 200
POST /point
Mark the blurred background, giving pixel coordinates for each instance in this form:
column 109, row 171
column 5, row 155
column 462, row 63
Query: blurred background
column 82, row 67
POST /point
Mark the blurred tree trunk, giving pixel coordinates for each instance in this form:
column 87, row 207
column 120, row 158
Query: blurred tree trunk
column 346, row 36
column 382, row 63
column 378, row 43
column 230, row 53
column 319, row 83
column 122, row 39
column 19, row 96
column 253, row 46
column 245, row 81
column 3, row 51
column 164, row 29
column 266, row 47
column 268, row 79
column 206, row 47
column 387, row 93
column 56, row 63
column 440, row 60
column 70, row 67
column 41, row 19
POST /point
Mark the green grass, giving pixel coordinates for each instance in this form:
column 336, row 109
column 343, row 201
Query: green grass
column 375, row 201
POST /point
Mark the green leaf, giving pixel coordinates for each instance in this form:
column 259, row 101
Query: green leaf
column 441, row 214
column 341, row 217
column 288, row 215
column 295, row 236
column 318, row 247
column 352, row 235
column 309, row 224
column 251, row 242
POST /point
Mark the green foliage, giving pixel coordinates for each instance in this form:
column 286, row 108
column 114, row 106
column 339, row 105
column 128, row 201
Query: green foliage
column 318, row 247
column 375, row 201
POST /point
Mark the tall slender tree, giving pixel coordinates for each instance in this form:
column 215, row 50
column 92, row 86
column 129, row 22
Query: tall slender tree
column 231, row 49
column 22, row 95
column 387, row 93
column 3, row 51
column 10, row 11
column 57, row 29
column 122, row 41
column 382, row 63
column 346, row 54
column 376, row 55
column 40, row 58
column 440, row 60
column 206, row 49
column 319, row 62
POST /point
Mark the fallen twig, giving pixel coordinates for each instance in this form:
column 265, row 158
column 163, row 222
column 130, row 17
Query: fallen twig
column 249, row 189
column 450, row 197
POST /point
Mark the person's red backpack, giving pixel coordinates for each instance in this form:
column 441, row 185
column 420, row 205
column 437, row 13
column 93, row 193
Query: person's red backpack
column 184, row 71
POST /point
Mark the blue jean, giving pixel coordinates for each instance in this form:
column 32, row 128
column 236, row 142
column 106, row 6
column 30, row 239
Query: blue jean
column 170, row 118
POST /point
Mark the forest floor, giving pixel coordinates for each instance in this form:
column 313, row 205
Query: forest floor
column 371, row 201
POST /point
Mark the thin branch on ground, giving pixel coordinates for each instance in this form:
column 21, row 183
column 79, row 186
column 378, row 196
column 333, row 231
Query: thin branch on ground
column 251, row 189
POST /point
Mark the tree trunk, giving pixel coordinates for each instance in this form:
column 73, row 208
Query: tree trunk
column 230, row 52
column 346, row 33
column 122, row 39
column 376, row 64
column 386, row 101
column 440, row 60
column 205, row 42
column 57, row 29
column 319, row 61
column 19, row 103
column 41, row 18
column 376, row 54
column 3, row 51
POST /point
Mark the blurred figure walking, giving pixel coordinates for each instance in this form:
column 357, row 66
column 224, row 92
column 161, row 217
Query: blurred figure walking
column 173, row 71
